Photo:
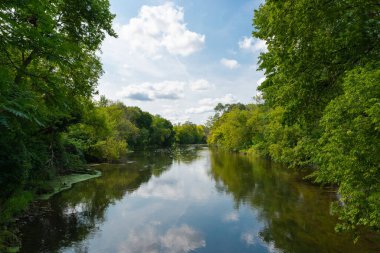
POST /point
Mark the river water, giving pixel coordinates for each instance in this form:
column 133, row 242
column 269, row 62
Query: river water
column 191, row 200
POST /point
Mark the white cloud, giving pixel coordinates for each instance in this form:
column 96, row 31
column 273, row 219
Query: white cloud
column 200, row 85
column 160, row 28
column 200, row 109
column 227, row 99
column 144, row 55
column 177, row 117
column 170, row 90
column 230, row 63
column 253, row 45
column 208, row 104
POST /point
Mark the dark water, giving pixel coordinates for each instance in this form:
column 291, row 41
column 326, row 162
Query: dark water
column 193, row 200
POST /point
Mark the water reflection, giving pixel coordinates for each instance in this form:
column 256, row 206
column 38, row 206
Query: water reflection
column 71, row 216
column 150, row 239
column 295, row 215
column 231, row 217
column 189, row 199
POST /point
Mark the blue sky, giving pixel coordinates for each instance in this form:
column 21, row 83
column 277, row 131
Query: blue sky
column 180, row 58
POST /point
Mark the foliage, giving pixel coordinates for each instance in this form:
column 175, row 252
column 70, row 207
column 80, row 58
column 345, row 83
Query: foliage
column 109, row 128
column 189, row 133
column 285, row 203
column 231, row 130
column 350, row 145
column 48, row 70
column 321, row 69
column 162, row 134
column 321, row 99
column 49, row 124
column 311, row 44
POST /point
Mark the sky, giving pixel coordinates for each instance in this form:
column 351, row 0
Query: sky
column 180, row 58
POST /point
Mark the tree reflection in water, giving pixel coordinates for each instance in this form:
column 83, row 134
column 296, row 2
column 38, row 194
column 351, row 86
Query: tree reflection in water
column 75, row 214
column 295, row 214
column 190, row 199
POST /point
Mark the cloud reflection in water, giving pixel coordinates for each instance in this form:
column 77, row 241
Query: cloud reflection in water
column 149, row 239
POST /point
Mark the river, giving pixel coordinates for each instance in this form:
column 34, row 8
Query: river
column 191, row 200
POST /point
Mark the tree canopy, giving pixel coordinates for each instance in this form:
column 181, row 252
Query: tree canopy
column 321, row 100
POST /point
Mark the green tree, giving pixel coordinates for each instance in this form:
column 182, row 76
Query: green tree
column 322, row 83
column 162, row 132
column 231, row 130
column 190, row 133
column 48, row 70
column 311, row 44
column 349, row 148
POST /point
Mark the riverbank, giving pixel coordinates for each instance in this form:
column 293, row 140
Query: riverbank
column 207, row 198
column 20, row 205
column 65, row 182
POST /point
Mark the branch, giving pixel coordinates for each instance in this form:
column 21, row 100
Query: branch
column 24, row 65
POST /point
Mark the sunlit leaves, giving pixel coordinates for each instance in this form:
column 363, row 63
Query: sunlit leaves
column 350, row 147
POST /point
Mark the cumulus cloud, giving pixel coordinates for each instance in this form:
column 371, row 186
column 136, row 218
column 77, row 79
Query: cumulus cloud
column 158, row 28
column 226, row 99
column 230, row 63
column 177, row 117
column 253, row 45
column 208, row 104
column 170, row 90
column 200, row 85
column 200, row 109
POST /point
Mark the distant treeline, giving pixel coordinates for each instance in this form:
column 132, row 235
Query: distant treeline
column 320, row 100
column 189, row 133
column 109, row 129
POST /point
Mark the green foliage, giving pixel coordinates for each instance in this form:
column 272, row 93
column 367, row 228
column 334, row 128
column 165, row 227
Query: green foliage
column 321, row 98
column 162, row 132
column 311, row 44
column 48, row 70
column 189, row 133
column 350, row 145
column 15, row 205
column 109, row 128
column 322, row 77
column 109, row 149
column 231, row 130
column 9, row 242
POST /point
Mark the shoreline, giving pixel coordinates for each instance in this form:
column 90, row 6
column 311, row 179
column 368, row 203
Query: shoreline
column 62, row 183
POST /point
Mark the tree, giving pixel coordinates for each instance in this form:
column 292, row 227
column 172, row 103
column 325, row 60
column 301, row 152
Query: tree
column 321, row 75
column 190, row 133
column 231, row 130
column 311, row 44
column 162, row 132
column 349, row 148
column 48, row 70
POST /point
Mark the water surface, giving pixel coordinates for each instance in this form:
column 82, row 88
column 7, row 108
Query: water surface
column 190, row 200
